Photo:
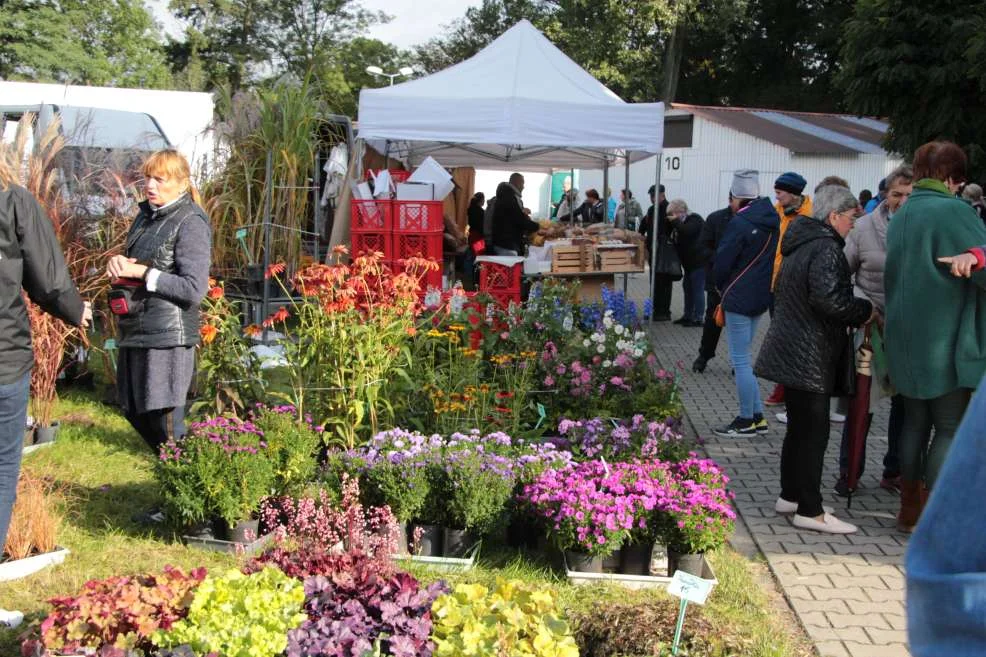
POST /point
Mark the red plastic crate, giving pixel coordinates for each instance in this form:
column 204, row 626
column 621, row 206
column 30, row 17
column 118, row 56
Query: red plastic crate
column 418, row 217
column 504, row 297
column 397, row 175
column 371, row 215
column 493, row 276
column 422, row 245
column 364, row 242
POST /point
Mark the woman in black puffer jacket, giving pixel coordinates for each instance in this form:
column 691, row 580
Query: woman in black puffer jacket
column 813, row 307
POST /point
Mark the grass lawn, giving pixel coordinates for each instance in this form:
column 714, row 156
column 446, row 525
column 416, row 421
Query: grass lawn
column 104, row 472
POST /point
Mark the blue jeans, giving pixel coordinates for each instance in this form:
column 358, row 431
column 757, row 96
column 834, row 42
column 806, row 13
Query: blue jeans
column 13, row 419
column 945, row 564
column 740, row 330
column 693, row 285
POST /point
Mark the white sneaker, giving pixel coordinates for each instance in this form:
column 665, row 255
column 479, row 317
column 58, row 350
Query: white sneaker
column 838, row 418
column 783, row 506
column 829, row 524
column 782, row 417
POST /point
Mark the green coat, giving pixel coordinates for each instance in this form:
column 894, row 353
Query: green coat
column 935, row 323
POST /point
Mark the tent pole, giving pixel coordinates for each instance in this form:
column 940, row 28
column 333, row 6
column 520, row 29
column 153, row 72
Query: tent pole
column 626, row 203
column 606, row 190
column 655, row 224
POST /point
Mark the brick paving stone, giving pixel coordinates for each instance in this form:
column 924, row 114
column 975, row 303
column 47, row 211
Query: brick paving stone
column 856, row 580
column 832, row 649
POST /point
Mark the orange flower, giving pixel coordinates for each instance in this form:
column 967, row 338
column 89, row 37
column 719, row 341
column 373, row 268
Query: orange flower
column 274, row 269
column 212, row 282
column 279, row 315
column 216, row 292
column 252, row 331
column 340, row 249
column 208, row 333
column 410, row 330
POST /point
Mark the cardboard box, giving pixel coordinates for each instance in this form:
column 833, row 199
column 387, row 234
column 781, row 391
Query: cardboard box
column 432, row 173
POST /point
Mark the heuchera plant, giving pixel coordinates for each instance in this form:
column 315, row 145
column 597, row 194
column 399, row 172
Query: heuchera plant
column 238, row 615
column 354, row 606
column 513, row 619
column 119, row 611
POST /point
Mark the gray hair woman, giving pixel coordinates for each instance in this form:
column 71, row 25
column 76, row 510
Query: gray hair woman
column 813, row 307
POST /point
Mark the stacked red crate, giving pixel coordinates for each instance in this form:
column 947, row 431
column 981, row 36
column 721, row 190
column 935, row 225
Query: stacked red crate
column 418, row 228
column 500, row 279
column 371, row 227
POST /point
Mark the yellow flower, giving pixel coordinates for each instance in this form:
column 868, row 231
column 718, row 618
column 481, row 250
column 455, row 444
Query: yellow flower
column 453, row 338
column 528, row 354
column 456, row 327
column 435, row 333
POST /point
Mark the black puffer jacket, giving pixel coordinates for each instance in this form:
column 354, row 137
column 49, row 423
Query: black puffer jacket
column 813, row 306
column 687, row 239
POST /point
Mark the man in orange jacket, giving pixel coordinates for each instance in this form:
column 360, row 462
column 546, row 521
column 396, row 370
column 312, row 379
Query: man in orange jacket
column 791, row 202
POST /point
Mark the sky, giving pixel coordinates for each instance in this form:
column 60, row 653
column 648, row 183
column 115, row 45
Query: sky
column 410, row 25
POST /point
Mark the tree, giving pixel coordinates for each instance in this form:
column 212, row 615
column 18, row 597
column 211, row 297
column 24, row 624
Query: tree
column 241, row 41
column 922, row 70
column 96, row 42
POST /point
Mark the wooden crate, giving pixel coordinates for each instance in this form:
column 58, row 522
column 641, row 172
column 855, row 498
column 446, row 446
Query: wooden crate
column 621, row 259
column 569, row 259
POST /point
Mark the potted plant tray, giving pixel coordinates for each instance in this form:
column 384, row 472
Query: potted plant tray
column 631, row 581
column 10, row 570
column 36, row 446
column 219, row 545
column 444, row 564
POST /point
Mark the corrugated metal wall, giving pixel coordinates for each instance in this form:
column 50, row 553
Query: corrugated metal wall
column 706, row 169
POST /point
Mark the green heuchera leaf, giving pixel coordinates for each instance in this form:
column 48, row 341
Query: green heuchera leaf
column 514, row 619
column 237, row 615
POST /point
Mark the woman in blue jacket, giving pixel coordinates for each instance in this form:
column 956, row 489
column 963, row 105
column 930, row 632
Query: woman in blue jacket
column 743, row 267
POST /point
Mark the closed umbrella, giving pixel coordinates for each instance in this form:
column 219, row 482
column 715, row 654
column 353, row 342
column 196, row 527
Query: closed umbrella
column 858, row 417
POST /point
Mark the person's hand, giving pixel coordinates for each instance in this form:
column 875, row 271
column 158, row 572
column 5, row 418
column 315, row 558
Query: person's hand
column 119, row 267
column 961, row 265
column 86, row 319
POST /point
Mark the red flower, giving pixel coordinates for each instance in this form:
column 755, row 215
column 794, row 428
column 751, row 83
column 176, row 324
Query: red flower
column 208, row 333
column 475, row 339
column 216, row 292
column 274, row 269
column 279, row 316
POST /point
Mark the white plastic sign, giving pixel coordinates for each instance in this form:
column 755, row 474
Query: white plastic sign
column 689, row 587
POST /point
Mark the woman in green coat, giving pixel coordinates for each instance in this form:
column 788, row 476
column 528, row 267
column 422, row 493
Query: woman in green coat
column 935, row 323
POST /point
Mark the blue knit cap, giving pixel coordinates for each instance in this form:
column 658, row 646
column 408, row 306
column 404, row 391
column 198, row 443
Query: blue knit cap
column 790, row 182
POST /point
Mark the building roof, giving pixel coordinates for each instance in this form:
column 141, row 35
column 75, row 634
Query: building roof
column 805, row 133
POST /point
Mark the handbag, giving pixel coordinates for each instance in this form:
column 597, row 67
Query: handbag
column 719, row 314
column 668, row 264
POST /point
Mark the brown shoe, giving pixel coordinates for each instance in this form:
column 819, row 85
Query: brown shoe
column 910, row 505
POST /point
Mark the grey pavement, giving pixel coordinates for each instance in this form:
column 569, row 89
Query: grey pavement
column 847, row 591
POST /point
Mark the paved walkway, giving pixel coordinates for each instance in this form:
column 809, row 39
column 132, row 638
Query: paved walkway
column 847, row 591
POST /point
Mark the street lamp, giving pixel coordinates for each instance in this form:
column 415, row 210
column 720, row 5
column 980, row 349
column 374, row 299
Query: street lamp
column 404, row 70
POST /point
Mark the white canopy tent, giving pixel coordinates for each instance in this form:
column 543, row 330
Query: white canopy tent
column 520, row 103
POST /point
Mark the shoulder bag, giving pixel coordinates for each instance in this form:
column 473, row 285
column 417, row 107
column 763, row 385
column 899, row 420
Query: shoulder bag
column 720, row 314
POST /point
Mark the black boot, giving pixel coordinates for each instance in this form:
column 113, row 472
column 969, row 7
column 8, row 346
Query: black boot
column 699, row 364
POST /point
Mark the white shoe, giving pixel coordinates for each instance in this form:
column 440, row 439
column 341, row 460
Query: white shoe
column 838, row 418
column 783, row 506
column 782, row 417
column 828, row 524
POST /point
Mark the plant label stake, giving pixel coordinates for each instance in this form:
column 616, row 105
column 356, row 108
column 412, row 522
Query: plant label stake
column 690, row 589
column 541, row 415
column 241, row 238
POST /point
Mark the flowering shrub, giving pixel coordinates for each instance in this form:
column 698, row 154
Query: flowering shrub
column 513, row 619
column 220, row 468
column 465, row 480
column 353, row 605
column 594, row 507
column 292, row 444
column 622, row 439
column 228, row 372
column 119, row 611
column 238, row 615
column 349, row 328
column 701, row 511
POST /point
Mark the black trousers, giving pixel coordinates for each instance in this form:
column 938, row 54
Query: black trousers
column 158, row 426
column 662, row 296
column 803, row 453
column 710, row 332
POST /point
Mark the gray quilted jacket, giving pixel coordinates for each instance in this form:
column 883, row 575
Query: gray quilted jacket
column 813, row 307
column 866, row 252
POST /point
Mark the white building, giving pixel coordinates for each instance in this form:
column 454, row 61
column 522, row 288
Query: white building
column 703, row 146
